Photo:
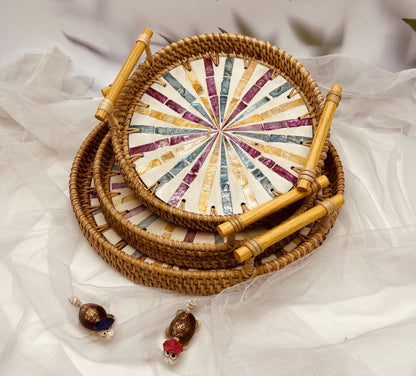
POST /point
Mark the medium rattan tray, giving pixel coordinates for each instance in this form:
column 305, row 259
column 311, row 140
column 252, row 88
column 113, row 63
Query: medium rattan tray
column 163, row 240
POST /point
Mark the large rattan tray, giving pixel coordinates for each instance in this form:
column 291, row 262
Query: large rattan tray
column 150, row 272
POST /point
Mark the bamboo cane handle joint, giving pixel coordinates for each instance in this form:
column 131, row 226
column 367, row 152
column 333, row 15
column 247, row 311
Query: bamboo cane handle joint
column 255, row 246
column 334, row 95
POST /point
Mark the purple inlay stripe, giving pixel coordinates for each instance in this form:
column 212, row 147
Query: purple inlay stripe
column 157, row 95
column 93, row 194
column 212, row 89
column 209, row 67
column 183, row 187
column 175, row 107
column 215, row 106
column 142, row 148
column 267, row 162
column 191, row 117
column 263, row 79
column 250, row 94
column 161, row 143
column 252, row 127
column 189, row 178
column 292, row 123
column 284, row 174
column 196, row 167
column 180, row 191
column 119, row 185
column 135, row 211
column 179, row 139
column 164, row 142
column 190, row 236
column 247, row 148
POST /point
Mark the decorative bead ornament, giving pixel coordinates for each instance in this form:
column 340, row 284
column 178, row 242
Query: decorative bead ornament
column 180, row 332
column 95, row 318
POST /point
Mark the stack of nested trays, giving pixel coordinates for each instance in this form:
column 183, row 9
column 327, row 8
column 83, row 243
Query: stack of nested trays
column 207, row 128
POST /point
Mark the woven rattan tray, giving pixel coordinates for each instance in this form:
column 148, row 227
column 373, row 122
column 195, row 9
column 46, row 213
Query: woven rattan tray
column 164, row 240
column 141, row 269
column 213, row 125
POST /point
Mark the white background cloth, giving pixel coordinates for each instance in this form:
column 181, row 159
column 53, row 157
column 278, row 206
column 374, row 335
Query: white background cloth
column 349, row 308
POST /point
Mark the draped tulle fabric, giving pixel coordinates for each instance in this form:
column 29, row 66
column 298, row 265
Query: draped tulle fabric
column 346, row 309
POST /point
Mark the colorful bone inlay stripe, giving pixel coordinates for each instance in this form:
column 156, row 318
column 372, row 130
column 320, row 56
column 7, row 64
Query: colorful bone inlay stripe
column 219, row 136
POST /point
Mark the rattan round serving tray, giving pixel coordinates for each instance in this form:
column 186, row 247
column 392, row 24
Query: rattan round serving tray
column 150, row 272
column 213, row 125
column 164, row 240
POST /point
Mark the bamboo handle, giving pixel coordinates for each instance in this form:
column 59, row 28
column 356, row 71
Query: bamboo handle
column 308, row 172
column 107, row 104
column 241, row 221
column 257, row 245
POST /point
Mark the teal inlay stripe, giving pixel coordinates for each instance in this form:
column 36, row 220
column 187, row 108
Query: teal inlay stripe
column 184, row 93
column 247, row 163
column 258, row 136
column 227, row 204
column 288, row 138
column 150, row 129
column 255, row 106
column 225, row 85
column 137, row 254
column 191, row 157
column 218, row 238
column 265, row 182
column 180, row 166
column 282, row 138
column 148, row 221
column 281, row 89
column 274, row 93
column 164, row 180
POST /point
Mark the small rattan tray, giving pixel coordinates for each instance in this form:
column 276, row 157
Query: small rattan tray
column 213, row 125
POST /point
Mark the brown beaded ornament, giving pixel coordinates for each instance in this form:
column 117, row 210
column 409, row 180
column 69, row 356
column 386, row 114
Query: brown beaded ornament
column 180, row 332
column 95, row 318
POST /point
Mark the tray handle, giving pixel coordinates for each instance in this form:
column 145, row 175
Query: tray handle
column 307, row 173
column 255, row 246
column 111, row 93
column 241, row 221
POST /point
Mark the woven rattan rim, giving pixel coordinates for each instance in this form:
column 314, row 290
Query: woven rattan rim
column 184, row 51
column 196, row 282
column 193, row 255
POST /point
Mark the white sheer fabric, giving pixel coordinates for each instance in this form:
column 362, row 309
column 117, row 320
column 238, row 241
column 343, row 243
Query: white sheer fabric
column 346, row 309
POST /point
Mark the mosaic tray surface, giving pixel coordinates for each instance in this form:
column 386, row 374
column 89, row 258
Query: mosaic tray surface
column 220, row 139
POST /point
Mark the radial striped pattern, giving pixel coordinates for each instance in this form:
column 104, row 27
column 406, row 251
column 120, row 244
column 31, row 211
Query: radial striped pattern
column 220, row 138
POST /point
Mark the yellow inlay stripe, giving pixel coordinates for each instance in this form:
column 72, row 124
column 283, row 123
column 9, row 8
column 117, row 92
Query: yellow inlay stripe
column 142, row 169
column 201, row 92
column 121, row 200
column 169, row 229
column 272, row 150
column 237, row 170
column 240, row 87
column 169, row 118
column 209, row 179
column 268, row 114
